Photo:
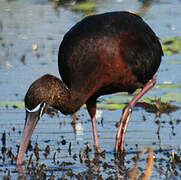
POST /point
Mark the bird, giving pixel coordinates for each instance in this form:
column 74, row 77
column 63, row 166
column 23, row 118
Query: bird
column 101, row 54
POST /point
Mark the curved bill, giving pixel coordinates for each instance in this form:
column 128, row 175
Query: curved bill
column 30, row 123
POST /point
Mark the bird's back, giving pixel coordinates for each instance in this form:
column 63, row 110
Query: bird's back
column 104, row 49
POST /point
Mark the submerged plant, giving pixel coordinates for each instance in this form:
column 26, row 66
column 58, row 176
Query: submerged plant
column 172, row 45
column 158, row 107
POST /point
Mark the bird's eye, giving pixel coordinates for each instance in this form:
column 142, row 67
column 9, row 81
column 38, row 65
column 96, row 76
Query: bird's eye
column 35, row 109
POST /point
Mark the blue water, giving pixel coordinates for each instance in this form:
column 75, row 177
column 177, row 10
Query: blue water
column 27, row 23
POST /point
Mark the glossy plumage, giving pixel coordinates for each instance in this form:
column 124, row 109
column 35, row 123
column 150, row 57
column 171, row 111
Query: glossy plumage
column 102, row 54
column 105, row 45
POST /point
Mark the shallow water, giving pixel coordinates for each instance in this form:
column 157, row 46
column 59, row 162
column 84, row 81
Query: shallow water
column 27, row 23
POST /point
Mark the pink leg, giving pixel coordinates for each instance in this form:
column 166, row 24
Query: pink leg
column 91, row 107
column 120, row 137
column 124, row 132
column 95, row 134
column 121, row 129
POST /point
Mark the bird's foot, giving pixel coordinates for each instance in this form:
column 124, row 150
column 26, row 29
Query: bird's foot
column 97, row 149
column 120, row 155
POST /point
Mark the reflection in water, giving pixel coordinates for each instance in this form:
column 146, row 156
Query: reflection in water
column 21, row 175
column 158, row 134
column 77, row 127
column 145, row 6
column 149, row 167
column 120, row 165
column 87, row 7
column 1, row 26
column 3, row 149
column 99, row 114
column 64, row 3
column 79, row 131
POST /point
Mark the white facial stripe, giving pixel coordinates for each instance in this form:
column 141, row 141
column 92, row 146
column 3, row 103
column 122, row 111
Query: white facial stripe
column 42, row 109
column 35, row 109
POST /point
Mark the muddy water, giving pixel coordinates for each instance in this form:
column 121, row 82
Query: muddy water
column 38, row 25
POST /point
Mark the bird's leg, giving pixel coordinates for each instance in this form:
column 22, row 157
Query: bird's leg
column 91, row 107
column 95, row 134
column 120, row 137
column 121, row 131
column 124, row 129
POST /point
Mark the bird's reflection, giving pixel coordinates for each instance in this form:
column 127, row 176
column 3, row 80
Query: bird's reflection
column 145, row 6
column 78, row 128
column 21, row 174
column 86, row 7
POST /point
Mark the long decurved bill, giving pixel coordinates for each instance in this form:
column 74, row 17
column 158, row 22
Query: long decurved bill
column 30, row 124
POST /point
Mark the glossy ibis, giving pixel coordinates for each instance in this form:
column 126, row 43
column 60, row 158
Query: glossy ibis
column 102, row 54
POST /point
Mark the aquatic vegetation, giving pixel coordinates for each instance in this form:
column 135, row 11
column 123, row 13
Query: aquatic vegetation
column 162, row 104
column 173, row 62
column 151, row 104
column 85, row 6
column 158, row 107
column 168, row 85
column 138, row 165
column 172, row 45
column 14, row 104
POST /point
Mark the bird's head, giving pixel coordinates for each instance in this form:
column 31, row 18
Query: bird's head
column 39, row 95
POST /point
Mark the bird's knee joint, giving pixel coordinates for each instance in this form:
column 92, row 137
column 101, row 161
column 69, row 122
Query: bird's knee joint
column 129, row 108
column 124, row 130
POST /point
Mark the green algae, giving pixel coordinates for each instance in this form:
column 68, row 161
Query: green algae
column 168, row 85
column 171, row 45
column 120, row 99
column 173, row 62
column 85, row 6
column 15, row 104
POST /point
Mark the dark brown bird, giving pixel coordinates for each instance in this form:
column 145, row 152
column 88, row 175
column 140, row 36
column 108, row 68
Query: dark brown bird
column 102, row 54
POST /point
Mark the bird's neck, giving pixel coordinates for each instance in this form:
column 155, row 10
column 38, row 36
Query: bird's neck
column 67, row 100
